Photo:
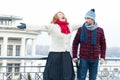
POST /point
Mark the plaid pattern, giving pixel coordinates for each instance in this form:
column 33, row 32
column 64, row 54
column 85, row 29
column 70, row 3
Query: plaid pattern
column 86, row 50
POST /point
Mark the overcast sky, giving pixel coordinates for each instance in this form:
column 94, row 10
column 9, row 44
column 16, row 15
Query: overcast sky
column 41, row 12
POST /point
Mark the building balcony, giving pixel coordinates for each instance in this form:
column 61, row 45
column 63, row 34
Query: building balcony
column 34, row 70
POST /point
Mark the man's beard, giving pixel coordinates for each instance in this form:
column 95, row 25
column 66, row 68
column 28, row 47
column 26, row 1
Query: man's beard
column 88, row 24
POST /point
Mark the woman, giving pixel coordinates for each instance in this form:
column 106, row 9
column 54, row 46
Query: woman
column 59, row 64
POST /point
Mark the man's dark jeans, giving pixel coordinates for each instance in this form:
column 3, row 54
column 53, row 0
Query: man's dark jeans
column 84, row 66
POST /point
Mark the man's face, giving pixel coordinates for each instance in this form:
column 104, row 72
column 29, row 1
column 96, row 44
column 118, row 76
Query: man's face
column 89, row 21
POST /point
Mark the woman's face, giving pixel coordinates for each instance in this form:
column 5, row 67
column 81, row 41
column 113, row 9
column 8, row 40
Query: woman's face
column 61, row 16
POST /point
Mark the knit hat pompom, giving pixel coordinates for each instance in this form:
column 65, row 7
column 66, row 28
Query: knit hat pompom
column 93, row 10
column 90, row 14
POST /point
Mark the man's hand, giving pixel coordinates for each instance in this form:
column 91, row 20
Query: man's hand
column 101, row 61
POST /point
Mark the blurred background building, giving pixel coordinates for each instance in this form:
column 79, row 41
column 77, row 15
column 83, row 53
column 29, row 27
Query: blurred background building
column 13, row 42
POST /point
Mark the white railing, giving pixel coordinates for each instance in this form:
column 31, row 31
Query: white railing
column 108, row 71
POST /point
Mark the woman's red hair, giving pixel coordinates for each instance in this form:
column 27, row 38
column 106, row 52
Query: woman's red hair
column 55, row 18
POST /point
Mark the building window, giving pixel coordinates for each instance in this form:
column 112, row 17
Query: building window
column 10, row 50
column 17, row 69
column 1, row 21
column 0, row 50
column 9, row 22
column 9, row 69
column 17, row 50
column 13, row 68
column 0, row 67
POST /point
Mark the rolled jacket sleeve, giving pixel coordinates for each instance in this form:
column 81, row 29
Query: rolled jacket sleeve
column 103, row 45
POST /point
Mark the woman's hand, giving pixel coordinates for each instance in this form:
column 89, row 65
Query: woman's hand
column 21, row 26
column 75, row 60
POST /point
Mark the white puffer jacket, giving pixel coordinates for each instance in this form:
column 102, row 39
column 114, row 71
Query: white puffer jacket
column 60, row 41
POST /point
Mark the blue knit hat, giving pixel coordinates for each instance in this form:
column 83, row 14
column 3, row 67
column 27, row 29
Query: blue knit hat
column 91, row 14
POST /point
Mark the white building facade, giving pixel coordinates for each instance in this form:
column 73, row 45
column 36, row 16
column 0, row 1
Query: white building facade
column 13, row 42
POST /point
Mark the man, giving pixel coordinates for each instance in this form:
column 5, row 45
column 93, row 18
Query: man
column 92, row 43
